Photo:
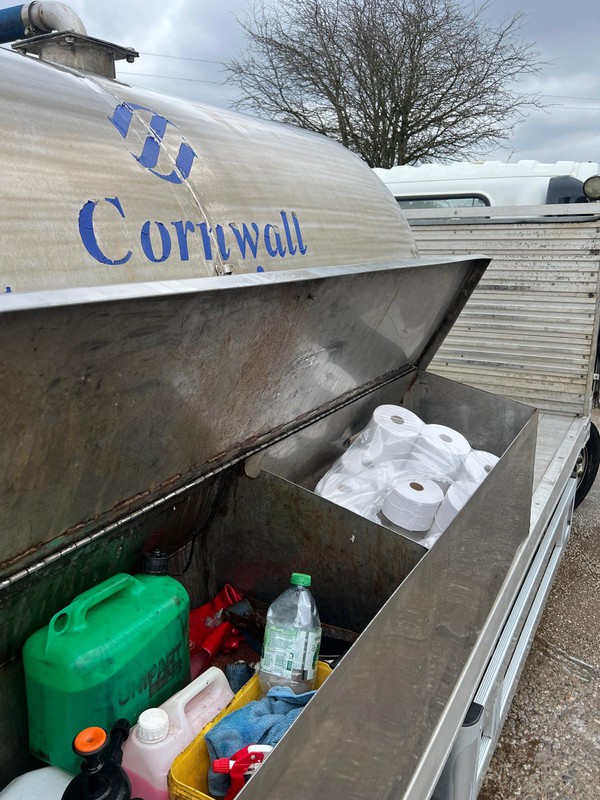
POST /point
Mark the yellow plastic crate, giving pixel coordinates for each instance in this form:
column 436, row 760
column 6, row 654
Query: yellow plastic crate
column 188, row 776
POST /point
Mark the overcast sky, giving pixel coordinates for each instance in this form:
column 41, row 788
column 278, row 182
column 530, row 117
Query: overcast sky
column 566, row 33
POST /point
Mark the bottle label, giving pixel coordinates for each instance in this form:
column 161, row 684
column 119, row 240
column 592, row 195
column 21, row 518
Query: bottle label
column 290, row 653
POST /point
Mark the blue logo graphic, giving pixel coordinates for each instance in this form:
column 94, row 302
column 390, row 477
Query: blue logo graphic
column 158, row 127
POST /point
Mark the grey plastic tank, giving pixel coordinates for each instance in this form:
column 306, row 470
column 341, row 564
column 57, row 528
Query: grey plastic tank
column 104, row 184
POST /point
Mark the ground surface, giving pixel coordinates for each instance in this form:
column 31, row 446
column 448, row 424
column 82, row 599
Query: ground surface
column 550, row 744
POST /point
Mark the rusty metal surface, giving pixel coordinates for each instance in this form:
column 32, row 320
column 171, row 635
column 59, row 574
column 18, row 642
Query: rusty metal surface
column 117, row 396
column 15, row 758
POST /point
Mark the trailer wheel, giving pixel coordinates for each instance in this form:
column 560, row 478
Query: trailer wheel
column 588, row 465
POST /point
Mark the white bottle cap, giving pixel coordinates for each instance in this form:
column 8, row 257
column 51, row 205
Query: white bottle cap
column 153, row 725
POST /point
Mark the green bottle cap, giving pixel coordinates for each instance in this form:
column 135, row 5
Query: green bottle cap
column 300, row 579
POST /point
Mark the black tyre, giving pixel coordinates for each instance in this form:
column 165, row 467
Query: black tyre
column 590, row 459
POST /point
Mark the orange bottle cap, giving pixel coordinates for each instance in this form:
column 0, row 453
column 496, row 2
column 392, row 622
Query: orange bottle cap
column 89, row 740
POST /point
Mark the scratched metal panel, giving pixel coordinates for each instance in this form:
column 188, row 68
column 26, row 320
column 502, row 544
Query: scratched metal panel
column 105, row 184
column 529, row 330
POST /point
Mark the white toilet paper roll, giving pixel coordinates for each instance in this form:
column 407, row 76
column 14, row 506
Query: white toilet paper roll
column 392, row 432
column 456, row 497
column 478, row 465
column 329, row 482
column 412, row 504
column 444, row 447
column 398, row 428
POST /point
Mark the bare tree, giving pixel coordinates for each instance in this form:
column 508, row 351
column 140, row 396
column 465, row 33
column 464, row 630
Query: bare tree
column 396, row 81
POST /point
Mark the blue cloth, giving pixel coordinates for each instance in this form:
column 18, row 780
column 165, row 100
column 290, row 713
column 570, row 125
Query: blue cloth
column 261, row 722
column 238, row 675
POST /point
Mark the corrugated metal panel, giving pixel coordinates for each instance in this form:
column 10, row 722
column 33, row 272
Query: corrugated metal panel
column 529, row 330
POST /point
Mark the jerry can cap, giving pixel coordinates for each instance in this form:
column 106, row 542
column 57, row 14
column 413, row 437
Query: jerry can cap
column 153, row 725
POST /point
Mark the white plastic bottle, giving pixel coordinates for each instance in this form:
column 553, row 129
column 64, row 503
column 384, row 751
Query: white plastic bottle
column 47, row 783
column 162, row 733
column 292, row 639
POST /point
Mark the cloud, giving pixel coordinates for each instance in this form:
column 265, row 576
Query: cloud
column 207, row 29
column 563, row 135
column 568, row 130
column 177, row 30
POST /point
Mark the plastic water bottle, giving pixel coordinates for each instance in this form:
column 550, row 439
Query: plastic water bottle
column 292, row 639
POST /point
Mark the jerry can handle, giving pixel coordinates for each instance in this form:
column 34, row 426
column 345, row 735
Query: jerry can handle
column 177, row 706
column 72, row 617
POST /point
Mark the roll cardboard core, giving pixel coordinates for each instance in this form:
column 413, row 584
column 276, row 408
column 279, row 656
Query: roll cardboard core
column 445, row 438
column 416, row 486
column 397, row 420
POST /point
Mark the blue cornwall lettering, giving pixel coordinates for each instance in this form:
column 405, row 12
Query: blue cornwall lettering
column 184, row 240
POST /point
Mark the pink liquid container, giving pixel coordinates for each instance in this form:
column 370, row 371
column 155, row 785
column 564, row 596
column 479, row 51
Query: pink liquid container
column 162, row 733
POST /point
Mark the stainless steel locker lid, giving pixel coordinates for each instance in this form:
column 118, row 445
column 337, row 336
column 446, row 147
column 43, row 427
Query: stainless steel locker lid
column 118, row 396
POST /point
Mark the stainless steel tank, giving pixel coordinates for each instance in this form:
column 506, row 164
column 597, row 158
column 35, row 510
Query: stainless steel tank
column 104, row 184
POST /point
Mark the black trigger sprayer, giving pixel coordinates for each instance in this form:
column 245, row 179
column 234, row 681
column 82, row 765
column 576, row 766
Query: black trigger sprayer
column 102, row 777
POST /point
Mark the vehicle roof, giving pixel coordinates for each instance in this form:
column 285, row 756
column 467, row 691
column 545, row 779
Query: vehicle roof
column 521, row 183
column 466, row 170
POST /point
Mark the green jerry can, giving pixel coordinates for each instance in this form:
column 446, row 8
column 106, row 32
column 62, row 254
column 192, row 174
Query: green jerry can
column 117, row 649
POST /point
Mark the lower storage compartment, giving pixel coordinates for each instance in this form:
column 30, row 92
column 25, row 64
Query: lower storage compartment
column 419, row 614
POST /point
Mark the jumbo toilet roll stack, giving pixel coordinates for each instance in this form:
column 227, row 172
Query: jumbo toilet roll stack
column 379, row 471
column 476, row 467
column 338, row 481
column 413, row 504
